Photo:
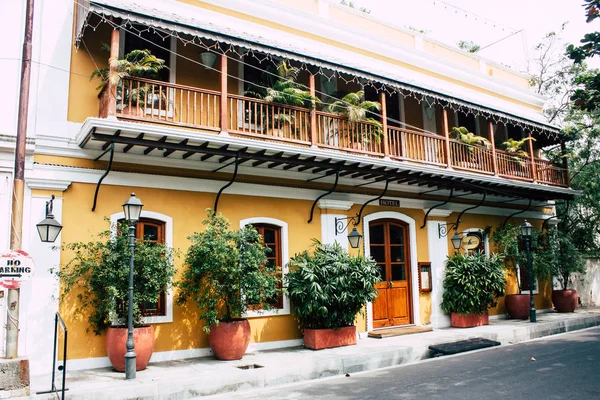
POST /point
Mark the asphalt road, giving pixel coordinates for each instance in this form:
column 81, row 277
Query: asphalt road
column 559, row 367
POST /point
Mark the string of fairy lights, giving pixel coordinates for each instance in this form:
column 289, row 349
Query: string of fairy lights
column 242, row 51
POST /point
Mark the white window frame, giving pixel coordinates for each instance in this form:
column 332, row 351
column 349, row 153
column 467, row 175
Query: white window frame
column 284, row 261
column 168, row 221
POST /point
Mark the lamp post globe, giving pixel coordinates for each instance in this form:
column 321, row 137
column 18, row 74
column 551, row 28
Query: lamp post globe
column 132, row 209
column 526, row 229
column 354, row 238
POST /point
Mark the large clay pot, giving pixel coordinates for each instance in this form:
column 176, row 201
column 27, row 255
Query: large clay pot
column 229, row 340
column 318, row 339
column 517, row 305
column 564, row 300
column 143, row 337
column 469, row 320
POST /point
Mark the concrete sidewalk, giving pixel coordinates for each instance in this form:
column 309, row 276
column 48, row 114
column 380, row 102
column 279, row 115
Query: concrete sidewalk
column 190, row 378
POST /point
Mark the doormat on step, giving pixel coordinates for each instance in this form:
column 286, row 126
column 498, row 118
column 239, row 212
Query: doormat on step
column 463, row 345
column 406, row 330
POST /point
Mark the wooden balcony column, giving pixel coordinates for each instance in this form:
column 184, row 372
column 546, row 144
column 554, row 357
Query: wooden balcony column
column 111, row 87
column 223, row 111
column 313, row 112
column 447, row 154
column 532, row 157
column 384, row 126
column 493, row 141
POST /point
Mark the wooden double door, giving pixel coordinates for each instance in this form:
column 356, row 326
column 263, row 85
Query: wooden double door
column 390, row 247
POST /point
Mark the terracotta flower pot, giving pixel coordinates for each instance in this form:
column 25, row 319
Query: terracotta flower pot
column 229, row 340
column 143, row 337
column 469, row 320
column 564, row 300
column 517, row 305
column 318, row 339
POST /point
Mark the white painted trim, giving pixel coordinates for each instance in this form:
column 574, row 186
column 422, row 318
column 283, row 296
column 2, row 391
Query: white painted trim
column 161, row 356
column 114, row 218
column 537, row 284
column 285, row 254
column 45, row 184
column 412, row 231
column 438, row 212
column 85, row 175
column 328, row 204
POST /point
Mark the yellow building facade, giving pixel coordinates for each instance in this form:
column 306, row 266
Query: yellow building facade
column 198, row 133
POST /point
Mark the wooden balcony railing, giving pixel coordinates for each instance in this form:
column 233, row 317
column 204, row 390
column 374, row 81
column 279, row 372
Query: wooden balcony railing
column 337, row 132
column 166, row 103
column 472, row 158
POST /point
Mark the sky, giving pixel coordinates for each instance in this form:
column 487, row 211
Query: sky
column 487, row 21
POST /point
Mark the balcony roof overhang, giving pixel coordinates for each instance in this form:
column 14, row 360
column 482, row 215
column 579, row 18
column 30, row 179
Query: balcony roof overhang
column 175, row 18
column 266, row 158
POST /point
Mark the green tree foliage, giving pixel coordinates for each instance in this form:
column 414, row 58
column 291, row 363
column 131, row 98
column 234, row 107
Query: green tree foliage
column 469, row 46
column 587, row 96
column 472, row 283
column 328, row 287
column 98, row 273
column 226, row 272
column 560, row 258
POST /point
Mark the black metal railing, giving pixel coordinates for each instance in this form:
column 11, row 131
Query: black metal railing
column 62, row 368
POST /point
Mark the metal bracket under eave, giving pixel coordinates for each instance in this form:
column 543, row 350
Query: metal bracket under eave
column 468, row 209
column 235, row 171
column 387, row 182
column 312, row 209
column 556, row 216
column 436, row 206
column 517, row 213
column 111, row 149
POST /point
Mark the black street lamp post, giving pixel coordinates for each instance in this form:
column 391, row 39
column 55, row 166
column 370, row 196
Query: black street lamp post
column 132, row 210
column 526, row 229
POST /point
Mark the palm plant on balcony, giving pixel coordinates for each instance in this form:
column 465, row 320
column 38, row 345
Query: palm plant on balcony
column 283, row 90
column 355, row 108
column 136, row 63
column 515, row 149
column 463, row 135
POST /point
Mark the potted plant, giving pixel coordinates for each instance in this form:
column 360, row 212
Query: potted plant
column 97, row 278
column 136, row 63
column 515, row 150
column 507, row 243
column 562, row 260
column 283, row 90
column 329, row 288
column 472, row 283
column 226, row 273
column 355, row 108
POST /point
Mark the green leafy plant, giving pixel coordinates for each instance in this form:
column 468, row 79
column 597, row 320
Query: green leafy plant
column 98, row 275
column 355, row 108
column 472, row 283
column 328, row 287
column 226, row 272
column 561, row 258
column 463, row 135
column 136, row 63
column 515, row 147
column 285, row 90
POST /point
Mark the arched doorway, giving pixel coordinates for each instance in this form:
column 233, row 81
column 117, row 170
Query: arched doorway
column 390, row 245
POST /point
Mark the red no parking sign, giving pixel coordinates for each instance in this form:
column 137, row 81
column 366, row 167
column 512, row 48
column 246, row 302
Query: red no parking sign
column 16, row 266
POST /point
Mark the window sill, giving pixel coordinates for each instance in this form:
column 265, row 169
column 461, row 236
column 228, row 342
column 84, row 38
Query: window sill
column 156, row 319
column 268, row 313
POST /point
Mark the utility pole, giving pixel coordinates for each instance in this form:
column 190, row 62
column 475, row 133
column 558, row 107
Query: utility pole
column 16, row 227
